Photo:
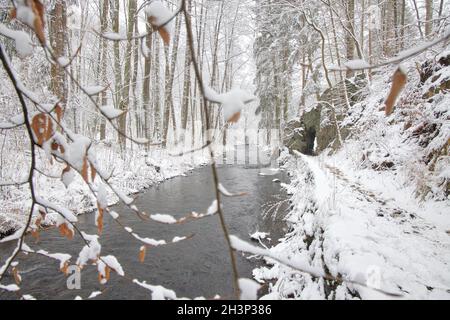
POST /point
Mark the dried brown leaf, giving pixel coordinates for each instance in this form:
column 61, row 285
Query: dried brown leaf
column 163, row 32
column 65, row 268
column 16, row 275
column 84, row 170
column 13, row 14
column 398, row 83
column 235, row 118
column 99, row 219
column 59, row 112
column 142, row 253
column 93, row 173
column 42, row 126
column 39, row 20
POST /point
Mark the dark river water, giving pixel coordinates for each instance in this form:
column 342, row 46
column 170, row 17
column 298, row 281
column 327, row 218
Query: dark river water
column 192, row 268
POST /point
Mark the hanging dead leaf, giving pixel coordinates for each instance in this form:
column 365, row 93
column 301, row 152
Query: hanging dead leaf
column 17, row 277
column 142, row 253
column 103, row 278
column 35, row 234
column 64, row 268
column 65, row 231
column 59, row 112
column 43, row 214
column 84, row 170
column 398, row 83
column 55, row 146
column 13, row 14
column 42, row 126
column 93, row 173
column 235, row 118
column 39, row 20
column 66, row 169
column 99, row 221
column 38, row 222
column 164, row 35
column 163, row 32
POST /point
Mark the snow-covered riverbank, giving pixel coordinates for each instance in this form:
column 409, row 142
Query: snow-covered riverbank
column 377, row 211
column 139, row 170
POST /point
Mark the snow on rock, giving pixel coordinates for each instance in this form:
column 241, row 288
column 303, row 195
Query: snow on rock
column 249, row 289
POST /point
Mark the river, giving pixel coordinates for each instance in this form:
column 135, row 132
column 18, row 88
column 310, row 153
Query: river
column 192, row 268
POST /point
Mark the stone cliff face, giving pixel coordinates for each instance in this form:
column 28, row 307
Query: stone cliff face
column 317, row 129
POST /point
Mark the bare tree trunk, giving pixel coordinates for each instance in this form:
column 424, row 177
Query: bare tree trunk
column 186, row 85
column 418, row 18
column 57, row 33
column 156, row 90
column 116, row 48
column 125, row 101
column 103, row 62
column 146, row 104
column 350, row 44
column 429, row 18
column 402, row 31
column 137, row 105
column 166, row 105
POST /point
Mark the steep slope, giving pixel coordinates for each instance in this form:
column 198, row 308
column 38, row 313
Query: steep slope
column 378, row 209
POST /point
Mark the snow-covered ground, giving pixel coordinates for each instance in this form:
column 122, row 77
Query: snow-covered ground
column 375, row 211
column 137, row 171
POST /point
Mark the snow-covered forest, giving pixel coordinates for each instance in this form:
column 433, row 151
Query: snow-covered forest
column 306, row 144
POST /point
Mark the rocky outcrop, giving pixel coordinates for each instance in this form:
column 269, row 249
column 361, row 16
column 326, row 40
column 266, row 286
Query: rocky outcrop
column 433, row 74
column 316, row 130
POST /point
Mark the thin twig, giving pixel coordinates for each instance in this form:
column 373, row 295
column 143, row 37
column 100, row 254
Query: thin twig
column 11, row 75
